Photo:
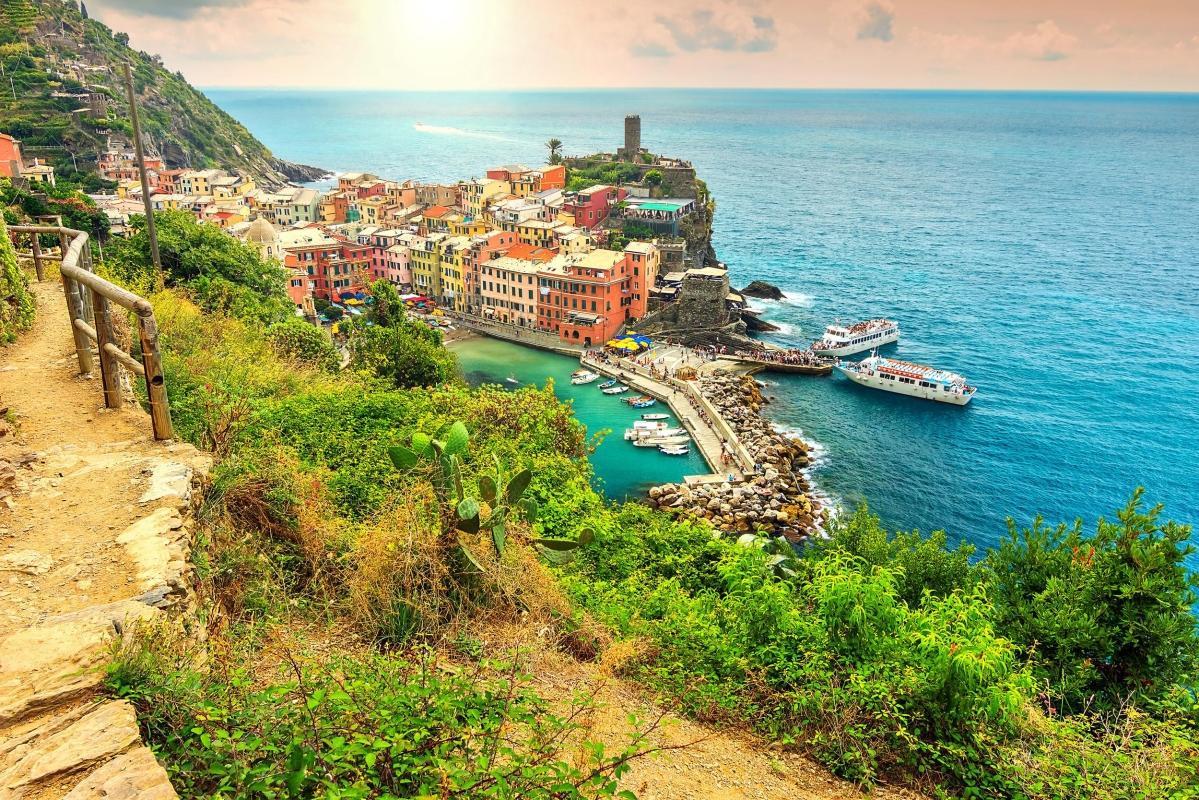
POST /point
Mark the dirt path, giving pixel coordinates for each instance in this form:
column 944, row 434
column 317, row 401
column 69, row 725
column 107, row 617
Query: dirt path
column 709, row 763
column 94, row 534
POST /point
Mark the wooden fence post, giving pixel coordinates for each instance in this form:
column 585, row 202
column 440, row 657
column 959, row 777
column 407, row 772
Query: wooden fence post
column 110, row 368
column 35, row 240
column 83, row 345
column 160, row 409
column 85, row 262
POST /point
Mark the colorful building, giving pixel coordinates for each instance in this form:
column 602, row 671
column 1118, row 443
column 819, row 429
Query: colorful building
column 590, row 207
column 10, row 156
column 586, row 298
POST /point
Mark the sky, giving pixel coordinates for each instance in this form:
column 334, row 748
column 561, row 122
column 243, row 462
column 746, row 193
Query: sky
column 1146, row 45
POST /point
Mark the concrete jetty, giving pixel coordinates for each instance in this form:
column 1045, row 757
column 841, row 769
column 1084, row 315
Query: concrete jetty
column 709, row 434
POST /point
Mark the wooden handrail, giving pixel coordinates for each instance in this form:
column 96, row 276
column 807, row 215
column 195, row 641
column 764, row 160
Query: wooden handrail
column 89, row 298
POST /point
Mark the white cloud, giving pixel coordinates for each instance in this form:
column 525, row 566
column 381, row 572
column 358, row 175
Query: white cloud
column 1045, row 42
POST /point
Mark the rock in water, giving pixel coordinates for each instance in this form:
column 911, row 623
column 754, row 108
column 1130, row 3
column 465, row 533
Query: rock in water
column 763, row 290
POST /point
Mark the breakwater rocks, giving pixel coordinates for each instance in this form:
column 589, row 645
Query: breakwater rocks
column 773, row 500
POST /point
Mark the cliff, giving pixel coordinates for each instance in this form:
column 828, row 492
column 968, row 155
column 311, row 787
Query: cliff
column 67, row 77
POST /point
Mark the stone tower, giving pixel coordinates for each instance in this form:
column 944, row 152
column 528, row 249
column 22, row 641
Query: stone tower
column 632, row 137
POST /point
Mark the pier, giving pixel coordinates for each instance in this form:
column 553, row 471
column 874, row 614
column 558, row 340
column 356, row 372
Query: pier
column 686, row 402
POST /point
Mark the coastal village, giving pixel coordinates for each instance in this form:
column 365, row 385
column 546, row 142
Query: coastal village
column 515, row 248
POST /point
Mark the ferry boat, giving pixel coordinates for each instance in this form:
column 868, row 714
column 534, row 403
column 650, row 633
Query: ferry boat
column 582, row 378
column 904, row 377
column 845, row 340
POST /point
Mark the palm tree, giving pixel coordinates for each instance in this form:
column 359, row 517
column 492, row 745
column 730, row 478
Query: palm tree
column 555, row 148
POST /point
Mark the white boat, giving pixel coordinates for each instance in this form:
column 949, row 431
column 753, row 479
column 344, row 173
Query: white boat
column 650, row 422
column 677, row 450
column 660, row 441
column 655, row 417
column 581, row 378
column 618, row 389
column 904, row 377
column 643, row 433
column 845, row 340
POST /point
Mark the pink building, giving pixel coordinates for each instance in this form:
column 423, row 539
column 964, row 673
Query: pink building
column 591, row 206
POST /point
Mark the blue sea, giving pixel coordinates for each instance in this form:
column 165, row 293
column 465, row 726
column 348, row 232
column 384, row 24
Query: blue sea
column 1044, row 245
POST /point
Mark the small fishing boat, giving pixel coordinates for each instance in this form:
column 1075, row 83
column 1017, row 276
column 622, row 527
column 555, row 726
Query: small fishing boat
column 607, row 384
column 617, row 389
column 661, row 441
column 655, row 417
column 581, row 378
column 633, row 434
column 642, row 402
column 676, row 450
column 511, row 379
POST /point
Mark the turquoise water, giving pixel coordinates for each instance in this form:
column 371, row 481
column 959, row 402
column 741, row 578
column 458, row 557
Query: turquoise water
column 622, row 471
column 1045, row 245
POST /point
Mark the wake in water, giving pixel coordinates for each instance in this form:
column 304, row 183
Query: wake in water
column 447, row 130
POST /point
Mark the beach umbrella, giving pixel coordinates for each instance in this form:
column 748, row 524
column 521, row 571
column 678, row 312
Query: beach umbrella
column 612, row 343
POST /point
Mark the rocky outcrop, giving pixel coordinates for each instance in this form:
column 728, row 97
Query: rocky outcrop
column 776, row 499
column 763, row 291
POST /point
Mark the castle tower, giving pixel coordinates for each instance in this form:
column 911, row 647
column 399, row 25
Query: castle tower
column 632, row 137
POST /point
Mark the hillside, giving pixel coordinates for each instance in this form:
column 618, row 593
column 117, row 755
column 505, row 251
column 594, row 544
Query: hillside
column 66, row 76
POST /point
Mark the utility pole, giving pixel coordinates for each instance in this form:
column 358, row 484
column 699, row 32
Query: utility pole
column 141, row 168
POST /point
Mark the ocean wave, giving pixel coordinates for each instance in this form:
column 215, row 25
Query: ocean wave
column 784, row 328
column 449, row 130
column 794, row 299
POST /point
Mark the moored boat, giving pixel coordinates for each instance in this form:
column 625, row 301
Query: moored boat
column 642, row 402
column 607, row 384
column 655, row 417
column 660, row 441
column 617, row 389
column 632, row 434
column 904, row 377
column 845, row 340
column 583, row 378
column 677, row 450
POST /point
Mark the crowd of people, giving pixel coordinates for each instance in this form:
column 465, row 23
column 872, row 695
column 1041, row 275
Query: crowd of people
column 801, row 357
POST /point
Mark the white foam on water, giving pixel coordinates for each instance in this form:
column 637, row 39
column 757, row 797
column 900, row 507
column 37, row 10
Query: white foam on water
column 819, row 456
column 449, row 130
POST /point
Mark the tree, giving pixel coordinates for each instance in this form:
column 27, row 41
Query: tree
column 555, row 148
column 654, row 177
column 122, row 38
column 1103, row 618
column 401, row 356
column 387, row 310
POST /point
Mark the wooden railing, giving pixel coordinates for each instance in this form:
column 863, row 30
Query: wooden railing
column 89, row 303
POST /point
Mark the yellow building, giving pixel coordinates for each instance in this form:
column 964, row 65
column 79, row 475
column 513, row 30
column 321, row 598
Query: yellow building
column 453, row 287
column 477, row 194
column 371, row 210
column 466, row 226
column 424, row 259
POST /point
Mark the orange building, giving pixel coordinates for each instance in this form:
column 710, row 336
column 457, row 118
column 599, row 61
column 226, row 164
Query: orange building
column 586, row 298
column 10, row 156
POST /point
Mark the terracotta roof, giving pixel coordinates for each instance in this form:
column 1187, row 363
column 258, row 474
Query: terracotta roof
column 436, row 212
column 529, row 252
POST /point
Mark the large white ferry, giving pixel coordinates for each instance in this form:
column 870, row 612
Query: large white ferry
column 904, row 377
column 845, row 340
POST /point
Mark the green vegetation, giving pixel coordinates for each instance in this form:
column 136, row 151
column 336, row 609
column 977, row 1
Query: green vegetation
column 78, row 211
column 220, row 273
column 595, row 171
column 16, row 303
column 396, row 511
column 185, row 124
column 358, row 728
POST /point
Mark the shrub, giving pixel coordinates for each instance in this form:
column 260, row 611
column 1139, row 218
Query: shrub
column 368, row 727
column 16, row 303
column 304, row 344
